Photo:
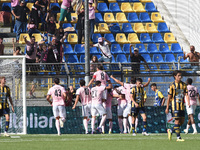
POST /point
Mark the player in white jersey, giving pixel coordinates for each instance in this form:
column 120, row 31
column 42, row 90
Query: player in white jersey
column 97, row 107
column 128, row 87
column 84, row 94
column 58, row 95
column 193, row 95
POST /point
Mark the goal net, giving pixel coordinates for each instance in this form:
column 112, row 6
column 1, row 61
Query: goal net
column 13, row 69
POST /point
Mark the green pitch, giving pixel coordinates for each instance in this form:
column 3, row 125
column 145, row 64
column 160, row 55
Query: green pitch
column 99, row 142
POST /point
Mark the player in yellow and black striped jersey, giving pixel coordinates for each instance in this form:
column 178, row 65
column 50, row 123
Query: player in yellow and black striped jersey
column 4, row 96
column 176, row 93
column 137, row 98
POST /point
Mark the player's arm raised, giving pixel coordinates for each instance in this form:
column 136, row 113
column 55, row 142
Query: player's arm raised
column 76, row 101
column 48, row 99
column 116, row 80
column 146, row 84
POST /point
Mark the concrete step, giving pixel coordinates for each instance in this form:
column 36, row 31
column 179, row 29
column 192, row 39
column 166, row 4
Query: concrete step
column 8, row 50
column 8, row 35
column 8, row 40
column 5, row 30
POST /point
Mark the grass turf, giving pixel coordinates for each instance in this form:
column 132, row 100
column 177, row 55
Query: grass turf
column 98, row 142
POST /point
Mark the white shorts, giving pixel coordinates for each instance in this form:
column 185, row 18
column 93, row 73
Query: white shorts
column 191, row 109
column 104, row 95
column 120, row 110
column 59, row 111
column 98, row 109
column 108, row 113
column 127, row 110
column 86, row 110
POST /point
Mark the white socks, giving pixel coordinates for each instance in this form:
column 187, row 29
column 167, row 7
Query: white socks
column 85, row 123
column 103, row 119
column 130, row 121
column 58, row 126
column 188, row 126
column 194, row 127
column 125, row 124
column 110, row 126
column 93, row 123
column 120, row 125
column 136, row 123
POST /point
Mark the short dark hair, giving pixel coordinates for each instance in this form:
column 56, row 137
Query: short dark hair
column 153, row 84
column 56, row 80
column 133, row 80
column 116, row 86
column 18, row 48
column 139, row 80
column 97, row 82
column 82, row 82
column 176, row 72
column 189, row 81
column 100, row 67
column 32, row 37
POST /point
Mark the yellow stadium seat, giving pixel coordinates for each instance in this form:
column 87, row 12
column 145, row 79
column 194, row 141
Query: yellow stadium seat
column 156, row 17
column 37, row 36
column 109, row 17
column 121, row 38
column 139, row 28
column 72, row 38
column 96, row 29
column 121, row 18
column 133, row 38
column 138, row 7
column 169, row 38
column 112, row 1
column 126, row 7
column 57, row 26
column 103, row 28
column 5, row 1
column 145, row 1
column 21, row 38
column 151, row 28
column 58, row 16
column 60, row 1
column 29, row 5
column 74, row 18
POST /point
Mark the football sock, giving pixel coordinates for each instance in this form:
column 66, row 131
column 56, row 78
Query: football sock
column 177, row 130
column 58, row 126
column 103, row 128
column 104, row 104
column 125, row 124
column 136, row 123
column 103, row 119
column 188, row 126
column 130, row 121
column 120, row 124
column 110, row 126
column 93, row 123
column 133, row 128
column 7, row 125
column 85, row 123
column 144, row 126
column 194, row 127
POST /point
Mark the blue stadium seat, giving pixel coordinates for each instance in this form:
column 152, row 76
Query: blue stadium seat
column 145, row 38
column 93, row 50
column 82, row 59
column 121, row 58
column 134, row 0
column 157, row 58
column 157, row 38
column 55, row 7
column 170, row 58
column 114, row 7
column 122, row 1
column 127, row 28
column 126, row 48
column 144, row 17
column 154, row 68
column 98, row 56
column 164, row 67
column 102, row 7
column 68, row 50
column 152, row 49
column 164, row 49
column 162, row 27
column 115, row 28
column 132, row 17
column 142, row 70
column 147, row 57
column 181, row 60
column 65, row 25
column 110, row 37
column 72, row 59
column 95, row 37
column 176, row 48
column 98, row 18
column 79, row 49
column 116, row 49
column 141, row 48
column 113, row 59
column 6, row 7
column 157, row 79
column 150, row 7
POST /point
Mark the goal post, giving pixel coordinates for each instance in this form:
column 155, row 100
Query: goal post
column 13, row 68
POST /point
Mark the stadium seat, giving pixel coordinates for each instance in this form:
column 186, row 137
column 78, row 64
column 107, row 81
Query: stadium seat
column 151, row 28
column 139, row 28
column 162, row 27
column 75, row 17
column 121, row 38
column 157, row 38
column 54, row 7
column 169, row 58
column 156, row 17
column 112, row 1
column 164, row 49
column 121, row 58
column 116, row 49
column 67, row 49
column 153, row 69
column 157, row 58
column 6, row 7
column 176, row 48
column 72, row 59
column 21, row 39
column 126, row 7
column 181, row 60
column 109, row 17
column 110, row 37
column 82, row 59
column 72, row 38
column 145, row 1
column 134, row 0
column 138, row 7
column 95, row 37
column 126, row 48
column 152, row 49
column 29, row 5
column 94, row 51
column 127, row 28
column 150, row 7
column 79, row 49
column 146, row 57
column 38, row 37
column 102, row 8
column 121, row 18
column 145, row 38
column 114, row 7
column 169, row 38
column 103, row 28
column 98, row 18
column 115, row 28
column 133, row 38
column 141, row 48
column 132, row 17
column 65, row 25
column 122, row 1
column 144, row 17
column 164, row 67
column 143, row 69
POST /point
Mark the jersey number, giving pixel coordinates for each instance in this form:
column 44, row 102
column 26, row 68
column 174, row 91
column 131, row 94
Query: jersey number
column 86, row 91
column 58, row 93
column 102, row 76
column 192, row 93
column 94, row 94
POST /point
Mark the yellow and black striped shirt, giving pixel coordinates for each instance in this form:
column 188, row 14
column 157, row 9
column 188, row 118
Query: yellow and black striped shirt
column 138, row 96
column 178, row 91
column 4, row 95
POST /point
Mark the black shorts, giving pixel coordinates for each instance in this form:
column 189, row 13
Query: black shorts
column 178, row 114
column 1, row 112
column 135, row 111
